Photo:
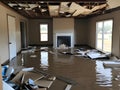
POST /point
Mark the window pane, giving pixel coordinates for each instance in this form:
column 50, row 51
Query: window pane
column 43, row 28
column 104, row 35
column 99, row 35
column 44, row 37
column 43, row 32
column 107, row 36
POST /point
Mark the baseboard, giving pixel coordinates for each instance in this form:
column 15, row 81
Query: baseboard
column 41, row 45
column 5, row 63
column 19, row 52
column 80, row 45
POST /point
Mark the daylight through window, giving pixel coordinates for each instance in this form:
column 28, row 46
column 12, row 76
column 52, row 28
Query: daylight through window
column 104, row 35
column 43, row 32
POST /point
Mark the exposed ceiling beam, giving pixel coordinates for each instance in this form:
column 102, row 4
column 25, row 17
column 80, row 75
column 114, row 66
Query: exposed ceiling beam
column 56, row 8
column 55, row 0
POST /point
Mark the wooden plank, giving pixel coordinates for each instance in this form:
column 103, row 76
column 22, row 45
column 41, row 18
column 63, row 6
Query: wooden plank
column 41, row 89
column 44, row 83
column 27, row 75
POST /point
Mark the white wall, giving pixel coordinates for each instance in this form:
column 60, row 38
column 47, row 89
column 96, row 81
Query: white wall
column 4, row 49
column 3, row 35
column 63, row 25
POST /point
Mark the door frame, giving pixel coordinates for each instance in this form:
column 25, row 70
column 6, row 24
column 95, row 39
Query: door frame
column 23, row 33
column 8, row 15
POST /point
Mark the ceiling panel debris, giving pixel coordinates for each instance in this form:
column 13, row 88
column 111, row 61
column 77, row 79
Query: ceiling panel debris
column 57, row 8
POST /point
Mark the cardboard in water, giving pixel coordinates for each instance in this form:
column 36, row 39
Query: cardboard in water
column 43, row 83
column 27, row 75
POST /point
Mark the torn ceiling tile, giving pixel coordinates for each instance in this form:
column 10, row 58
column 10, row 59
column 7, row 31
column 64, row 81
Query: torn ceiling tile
column 44, row 9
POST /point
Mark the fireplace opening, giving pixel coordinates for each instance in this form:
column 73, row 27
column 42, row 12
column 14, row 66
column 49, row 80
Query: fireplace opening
column 66, row 40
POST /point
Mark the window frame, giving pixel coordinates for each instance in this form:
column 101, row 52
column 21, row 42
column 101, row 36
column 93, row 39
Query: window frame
column 103, row 34
column 44, row 33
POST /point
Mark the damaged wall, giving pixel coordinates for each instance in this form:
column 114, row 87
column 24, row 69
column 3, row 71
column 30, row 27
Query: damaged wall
column 4, row 45
column 116, row 30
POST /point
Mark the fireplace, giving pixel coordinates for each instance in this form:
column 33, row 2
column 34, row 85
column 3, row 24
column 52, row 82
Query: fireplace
column 64, row 38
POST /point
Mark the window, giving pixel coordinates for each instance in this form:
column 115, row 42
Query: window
column 104, row 35
column 43, row 32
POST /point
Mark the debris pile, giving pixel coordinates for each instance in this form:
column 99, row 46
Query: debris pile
column 31, row 79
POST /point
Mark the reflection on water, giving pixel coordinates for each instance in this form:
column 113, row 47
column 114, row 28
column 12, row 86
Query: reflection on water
column 44, row 60
column 60, row 57
column 89, row 74
column 103, row 75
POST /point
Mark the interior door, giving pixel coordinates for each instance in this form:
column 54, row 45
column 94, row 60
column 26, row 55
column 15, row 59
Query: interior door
column 12, row 37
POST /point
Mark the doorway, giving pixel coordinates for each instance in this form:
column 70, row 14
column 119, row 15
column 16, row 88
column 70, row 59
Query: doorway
column 23, row 34
column 12, row 36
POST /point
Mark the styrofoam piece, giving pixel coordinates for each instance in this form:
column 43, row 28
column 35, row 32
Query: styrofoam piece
column 112, row 64
column 28, row 69
column 96, row 55
column 68, row 87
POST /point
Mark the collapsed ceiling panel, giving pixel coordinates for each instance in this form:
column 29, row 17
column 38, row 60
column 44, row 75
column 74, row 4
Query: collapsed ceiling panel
column 54, row 10
column 80, row 10
column 40, row 9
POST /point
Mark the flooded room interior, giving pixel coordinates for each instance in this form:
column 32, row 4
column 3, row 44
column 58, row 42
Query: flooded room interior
column 60, row 45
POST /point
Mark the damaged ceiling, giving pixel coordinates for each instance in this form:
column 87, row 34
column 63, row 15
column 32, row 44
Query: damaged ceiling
column 57, row 8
